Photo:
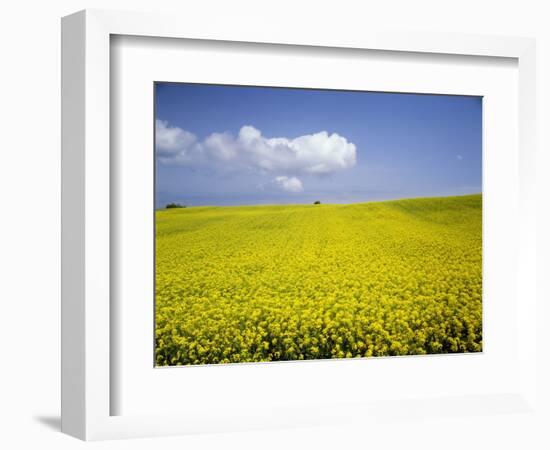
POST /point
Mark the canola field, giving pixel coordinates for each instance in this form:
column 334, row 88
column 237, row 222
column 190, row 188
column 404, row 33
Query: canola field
column 295, row 282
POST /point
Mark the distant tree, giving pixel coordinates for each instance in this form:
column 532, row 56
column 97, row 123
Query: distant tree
column 317, row 202
column 175, row 205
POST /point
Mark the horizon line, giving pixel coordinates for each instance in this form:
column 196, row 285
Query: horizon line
column 183, row 206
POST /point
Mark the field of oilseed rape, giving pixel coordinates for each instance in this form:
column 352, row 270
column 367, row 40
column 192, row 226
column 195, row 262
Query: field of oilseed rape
column 294, row 282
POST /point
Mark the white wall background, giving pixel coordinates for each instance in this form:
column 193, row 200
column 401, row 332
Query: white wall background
column 30, row 199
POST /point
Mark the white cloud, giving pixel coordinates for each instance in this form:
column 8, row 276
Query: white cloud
column 172, row 140
column 319, row 153
column 289, row 184
column 459, row 157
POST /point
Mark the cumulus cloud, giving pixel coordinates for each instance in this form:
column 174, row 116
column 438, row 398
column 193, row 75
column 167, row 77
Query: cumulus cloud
column 170, row 141
column 289, row 184
column 318, row 154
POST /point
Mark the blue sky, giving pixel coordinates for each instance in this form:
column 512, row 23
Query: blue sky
column 215, row 145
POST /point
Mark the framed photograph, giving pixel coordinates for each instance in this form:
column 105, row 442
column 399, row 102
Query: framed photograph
column 305, row 245
column 266, row 228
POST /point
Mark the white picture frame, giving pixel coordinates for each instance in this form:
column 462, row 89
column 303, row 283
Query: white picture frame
column 87, row 386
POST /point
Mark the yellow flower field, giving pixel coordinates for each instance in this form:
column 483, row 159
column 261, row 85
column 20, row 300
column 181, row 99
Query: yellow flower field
column 294, row 282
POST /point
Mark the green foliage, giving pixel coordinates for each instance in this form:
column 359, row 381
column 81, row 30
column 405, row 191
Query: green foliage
column 175, row 205
column 317, row 202
column 273, row 283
